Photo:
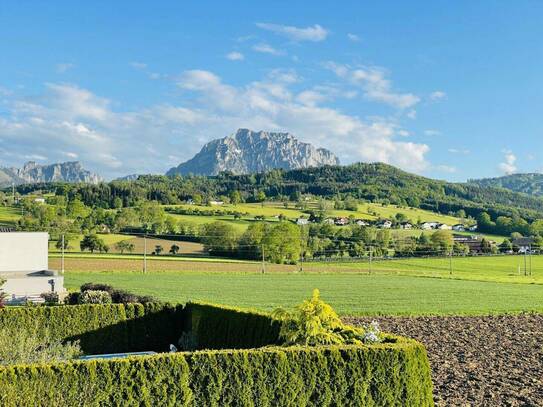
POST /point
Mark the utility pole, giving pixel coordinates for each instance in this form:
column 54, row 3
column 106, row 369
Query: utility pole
column 263, row 261
column 144, row 254
column 530, row 260
column 525, row 265
column 302, row 263
column 62, row 258
column 371, row 258
column 450, row 263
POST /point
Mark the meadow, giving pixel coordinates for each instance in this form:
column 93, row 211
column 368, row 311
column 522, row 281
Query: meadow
column 9, row 215
column 348, row 293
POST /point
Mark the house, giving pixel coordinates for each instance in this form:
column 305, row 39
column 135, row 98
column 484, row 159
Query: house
column 474, row 242
column 443, row 226
column 329, row 221
column 341, row 221
column 384, row 224
column 459, row 228
column 216, row 203
column 406, row 225
column 524, row 244
column 302, row 221
column 24, row 264
column 39, row 200
column 429, row 225
column 361, row 222
column 473, row 228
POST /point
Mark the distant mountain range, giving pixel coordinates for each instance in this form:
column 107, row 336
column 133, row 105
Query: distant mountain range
column 247, row 151
column 531, row 183
column 32, row 173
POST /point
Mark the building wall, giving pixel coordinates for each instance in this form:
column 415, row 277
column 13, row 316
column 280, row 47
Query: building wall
column 23, row 252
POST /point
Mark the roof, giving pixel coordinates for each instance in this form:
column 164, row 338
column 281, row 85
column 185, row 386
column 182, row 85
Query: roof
column 6, row 229
column 524, row 241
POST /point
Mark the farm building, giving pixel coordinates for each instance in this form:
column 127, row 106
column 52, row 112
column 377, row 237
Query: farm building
column 24, row 264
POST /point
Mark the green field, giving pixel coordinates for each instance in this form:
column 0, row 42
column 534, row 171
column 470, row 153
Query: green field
column 9, row 215
column 349, row 293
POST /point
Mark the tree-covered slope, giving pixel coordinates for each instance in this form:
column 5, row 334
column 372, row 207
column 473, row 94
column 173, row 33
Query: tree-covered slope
column 531, row 184
column 371, row 182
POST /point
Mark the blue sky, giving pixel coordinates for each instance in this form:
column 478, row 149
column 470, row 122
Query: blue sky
column 452, row 92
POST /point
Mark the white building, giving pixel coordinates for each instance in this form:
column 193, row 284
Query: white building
column 24, row 264
column 459, row 228
column 302, row 221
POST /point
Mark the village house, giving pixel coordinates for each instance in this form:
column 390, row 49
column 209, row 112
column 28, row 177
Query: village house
column 524, row 244
column 406, row 225
column 443, row 226
column 361, row 222
column 216, row 203
column 302, row 221
column 459, row 228
column 384, row 224
column 341, row 221
column 24, row 264
column 429, row 225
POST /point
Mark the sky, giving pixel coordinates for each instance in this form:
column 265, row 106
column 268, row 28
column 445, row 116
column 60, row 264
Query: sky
column 447, row 90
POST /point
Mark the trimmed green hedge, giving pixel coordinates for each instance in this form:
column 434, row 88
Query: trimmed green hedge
column 106, row 328
column 395, row 373
column 231, row 328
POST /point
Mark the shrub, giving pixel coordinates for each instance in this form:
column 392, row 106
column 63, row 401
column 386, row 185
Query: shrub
column 117, row 296
column 51, row 298
column 314, row 322
column 29, row 344
column 3, row 295
column 95, row 297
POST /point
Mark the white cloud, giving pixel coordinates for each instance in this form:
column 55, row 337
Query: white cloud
column 508, row 166
column 235, row 56
column 315, row 33
column 412, row 114
column 459, row 151
column 267, row 49
column 82, row 125
column 431, row 133
column 353, row 37
column 62, row 68
column 375, row 85
column 35, row 157
column 438, row 95
column 138, row 65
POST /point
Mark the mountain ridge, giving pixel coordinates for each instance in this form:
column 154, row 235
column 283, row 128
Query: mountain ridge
column 247, row 151
column 527, row 183
column 32, row 173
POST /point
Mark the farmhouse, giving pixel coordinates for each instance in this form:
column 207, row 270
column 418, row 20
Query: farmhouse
column 361, row 222
column 524, row 244
column 341, row 221
column 406, row 225
column 459, row 228
column 429, row 225
column 302, row 221
column 24, row 264
column 384, row 224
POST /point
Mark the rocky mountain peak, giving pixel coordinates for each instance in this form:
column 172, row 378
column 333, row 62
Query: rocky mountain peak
column 247, row 151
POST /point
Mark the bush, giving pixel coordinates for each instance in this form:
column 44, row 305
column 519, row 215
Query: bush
column 50, row 298
column 95, row 297
column 314, row 322
column 117, row 296
column 31, row 345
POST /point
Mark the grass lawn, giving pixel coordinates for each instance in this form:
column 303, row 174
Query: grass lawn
column 349, row 293
column 9, row 215
column 508, row 269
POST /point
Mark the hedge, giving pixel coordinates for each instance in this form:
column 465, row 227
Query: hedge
column 107, row 328
column 232, row 328
column 394, row 373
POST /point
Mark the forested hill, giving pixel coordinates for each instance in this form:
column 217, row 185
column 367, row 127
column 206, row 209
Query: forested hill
column 371, row 182
column 531, row 184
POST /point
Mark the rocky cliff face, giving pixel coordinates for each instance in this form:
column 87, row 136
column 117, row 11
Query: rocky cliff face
column 32, row 173
column 247, row 151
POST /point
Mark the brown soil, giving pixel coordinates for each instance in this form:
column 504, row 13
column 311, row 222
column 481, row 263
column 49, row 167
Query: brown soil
column 479, row 361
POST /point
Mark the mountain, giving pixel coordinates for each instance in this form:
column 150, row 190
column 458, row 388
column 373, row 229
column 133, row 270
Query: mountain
column 248, row 151
column 531, row 183
column 32, row 173
column 130, row 177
